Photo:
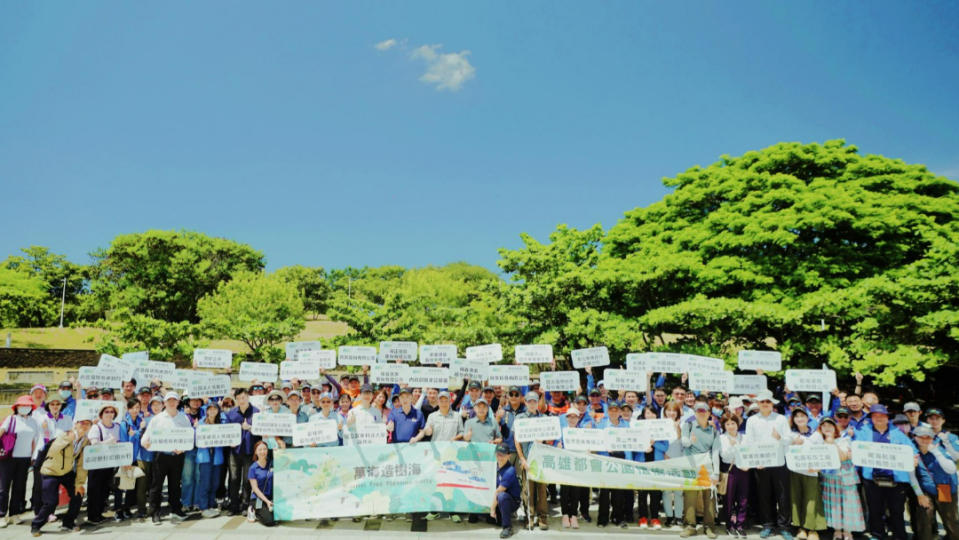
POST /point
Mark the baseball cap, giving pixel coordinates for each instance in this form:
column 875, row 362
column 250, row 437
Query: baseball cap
column 572, row 411
column 444, row 394
column 366, row 388
column 513, row 389
column 483, row 401
column 405, row 390
column 580, row 399
column 326, row 395
column 531, row 396
column 66, row 384
column 911, row 406
column 144, row 390
column 700, row 406
column 171, row 395
column 600, row 383
column 502, row 449
column 489, row 389
column 923, row 431
column 294, row 393
column 39, row 387
column 934, row 412
column 878, row 409
column 286, row 384
column 900, row 419
column 613, row 405
column 813, row 397
column 474, row 386
column 842, row 410
column 594, row 392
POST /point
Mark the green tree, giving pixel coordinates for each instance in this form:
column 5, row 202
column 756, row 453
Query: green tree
column 52, row 269
column 23, row 299
column 312, row 284
column 165, row 340
column 258, row 309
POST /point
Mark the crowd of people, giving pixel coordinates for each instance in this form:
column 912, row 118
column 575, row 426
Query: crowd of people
column 43, row 436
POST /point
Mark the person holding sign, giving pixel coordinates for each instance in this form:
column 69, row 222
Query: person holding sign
column 242, row 455
column 840, row 488
column 63, row 467
column 100, row 481
column 941, row 491
column 765, row 427
column 701, row 437
column 209, row 464
column 535, row 492
column 167, row 466
column 804, row 493
column 326, row 412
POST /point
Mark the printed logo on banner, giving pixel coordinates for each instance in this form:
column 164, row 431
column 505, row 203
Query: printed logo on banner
column 505, row 375
column 750, row 456
column 250, row 371
column 107, row 456
column 591, row 357
column 559, row 381
column 429, row 377
column 812, row 457
column 764, row 360
column 212, row 435
column 534, row 354
column 293, row 347
column 172, row 439
column 623, row 379
column 353, row 355
column 811, row 380
column 273, row 424
column 315, row 432
column 213, row 385
column 323, row 359
column 492, row 352
column 389, row 373
column 360, row 434
column 474, row 370
column 99, row 377
column 629, row 439
column 212, row 358
column 437, row 354
column 298, row 369
column 398, row 351
column 539, row 428
column 715, row 381
column 585, row 440
column 896, row 457
column 662, row 429
column 749, row 384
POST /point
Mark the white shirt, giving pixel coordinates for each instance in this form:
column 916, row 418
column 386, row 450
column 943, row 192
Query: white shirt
column 759, row 429
column 100, row 433
column 164, row 421
column 727, row 450
column 27, row 431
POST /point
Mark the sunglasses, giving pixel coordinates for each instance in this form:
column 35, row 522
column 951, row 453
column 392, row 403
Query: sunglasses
column 842, row 416
column 514, row 394
column 314, row 391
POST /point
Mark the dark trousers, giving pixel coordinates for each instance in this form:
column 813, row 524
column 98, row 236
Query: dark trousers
column 99, row 485
column 265, row 516
column 569, row 499
column 167, row 467
column 36, row 491
column 207, row 476
column 650, row 503
column 617, row 499
column 239, row 485
column 505, row 506
column 737, row 495
column 141, row 489
column 773, row 491
column 925, row 520
column 13, row 485
column 50, row 496
column 883, row 500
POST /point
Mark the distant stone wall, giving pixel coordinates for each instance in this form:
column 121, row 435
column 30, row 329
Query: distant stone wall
column 47, row 358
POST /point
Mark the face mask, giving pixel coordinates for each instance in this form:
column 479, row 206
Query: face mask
column 65, row 394
column 23, row 411
column 717, row 412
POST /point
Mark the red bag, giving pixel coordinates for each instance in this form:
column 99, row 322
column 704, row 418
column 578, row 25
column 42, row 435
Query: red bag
column 8, row 440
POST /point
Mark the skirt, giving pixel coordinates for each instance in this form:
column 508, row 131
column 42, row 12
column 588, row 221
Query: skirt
column 841, row 502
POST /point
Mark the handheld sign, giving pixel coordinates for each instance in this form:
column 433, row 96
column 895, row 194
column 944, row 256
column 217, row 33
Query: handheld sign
column 811, row 380
column 661, row 362
column 486, row 353
column 258, row 402
column 136, row 357
column 540, row 428
column 250, row 371
column 293, row 347
column 429, row 377
column 591, row 357
column 359, row 434
column 292, row 369
column 273, row 424
column 89, row 409
column 389, row 373
column 398, row 351
column 817, row 457
column 628, row 439
column 716, row 381
column 704, row 363
column 125, row 368
column 437, row 354
column 99, row 377
column 315, row 432
column 534, row 354
column 764, row 360
column 750, row 456
column 637, row 362
column 660, row 429
column 183, row 378
column 151, row 369
column 106, row 456
column 351, row 355
column 177, row 439
column 623, row 379
column 749, row 384
column 213, row 385
column 559, row 381
column 586, row 440
column 505, row 375
column 896, row 457
column 323, row 359
column 211, row 435
column 212, row 358
column 474, row 370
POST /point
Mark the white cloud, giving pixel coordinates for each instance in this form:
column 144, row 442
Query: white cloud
column 446, row 71
column 385, row 45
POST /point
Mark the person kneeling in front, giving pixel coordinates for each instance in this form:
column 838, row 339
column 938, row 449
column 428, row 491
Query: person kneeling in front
column 63, row 467
column 506, row 498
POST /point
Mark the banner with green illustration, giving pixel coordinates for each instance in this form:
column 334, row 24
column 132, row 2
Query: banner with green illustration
column 551, row 465
column 341, row 481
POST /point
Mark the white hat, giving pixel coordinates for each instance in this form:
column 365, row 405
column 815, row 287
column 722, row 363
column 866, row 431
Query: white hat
column 171, row 395
column 735, row 402
column 766, row 395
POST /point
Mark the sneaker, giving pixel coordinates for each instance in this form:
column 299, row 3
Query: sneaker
column 210, row 513
column 565, row 522
column 156, row 518
column 624, row 524
column 506, row 532
column 801, row 535
column 813, row 535
column 431, row 516
column 587, row 519
column 250, row 515
column 643, row 523
column 52, row 518
column 741, row 532
column 687, row 532
column 711, row 532
column 3, row 522
column 543, row 526
column 177, row 516
column 766, row 532
column 786, row 534
column 357, row 519
column 456, row 518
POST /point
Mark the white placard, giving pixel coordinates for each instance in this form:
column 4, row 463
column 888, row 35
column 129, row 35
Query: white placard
column 637, row 362
column 213, row 385
column 124, row 367
column 803, row 457
column 437, row 354
column 108, row 455
column 895, row 457
column 660, row 429
column 658, row 362
column 212, row 435
column 474, row 370
column 89, row 409
column 136, row 357
column 714, row 381
column 370, row 433
column 398, row 351
column 293, row 347
column 764, row 360
column 507, row 375
column 183, row 378
column 486, row 353
column 353, row 355
column 539, row 428
column 559, row 381
column 628, row 439
column 591, row 357
column 749, row 384
column 258, row 402
column 811, row 380
column 148, row 370
column 429, row 377
column 389, row 373
column 297, row 369
column 750, row 456
column 623, row 379
column 212, row 358
column 273, row 424
column 99, row 377
column 315, row 432
column 258, row 371
column 323, row 359
column 534, row 354
column 704, row 363
column 586, row 440
column 171, row 439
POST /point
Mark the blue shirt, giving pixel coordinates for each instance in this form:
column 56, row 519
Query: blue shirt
column 405, row 425
column 892, row 436
column 507, row 424
column 506, row 478
column 234, row 416
column 263, row 477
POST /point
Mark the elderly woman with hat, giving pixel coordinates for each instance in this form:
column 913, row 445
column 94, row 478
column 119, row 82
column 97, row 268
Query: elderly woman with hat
column 16, row 462
column 100, row 481
column 51, row 423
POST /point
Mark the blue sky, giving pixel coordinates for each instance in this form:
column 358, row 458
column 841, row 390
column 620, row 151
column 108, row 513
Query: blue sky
column 284, row 126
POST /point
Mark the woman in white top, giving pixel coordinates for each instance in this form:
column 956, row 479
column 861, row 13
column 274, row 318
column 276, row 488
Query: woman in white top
column 13, row 470
column 737, row 480
column 804, row 494
column 100, row 481
column 673, row 500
